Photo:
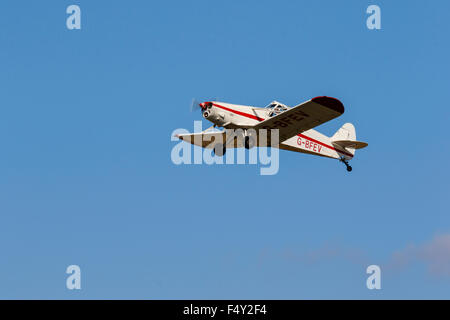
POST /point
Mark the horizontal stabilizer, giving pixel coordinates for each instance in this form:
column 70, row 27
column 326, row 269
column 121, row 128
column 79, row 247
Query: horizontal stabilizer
column 350, row 144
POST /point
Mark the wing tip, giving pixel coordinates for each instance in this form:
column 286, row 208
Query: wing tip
column 329, row 102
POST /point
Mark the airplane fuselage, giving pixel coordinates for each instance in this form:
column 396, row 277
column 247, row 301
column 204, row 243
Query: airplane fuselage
column 233, row 116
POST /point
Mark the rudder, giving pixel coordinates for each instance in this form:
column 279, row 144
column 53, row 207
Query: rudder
column 346, row 132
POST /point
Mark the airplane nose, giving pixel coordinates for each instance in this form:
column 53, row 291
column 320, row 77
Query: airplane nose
column 205, row 105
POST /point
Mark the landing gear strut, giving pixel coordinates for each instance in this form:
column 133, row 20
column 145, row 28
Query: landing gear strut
column 249, row 142
column 349, row 167
column 219, row 149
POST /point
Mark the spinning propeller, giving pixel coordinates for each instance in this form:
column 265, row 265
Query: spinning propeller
column 197, row 105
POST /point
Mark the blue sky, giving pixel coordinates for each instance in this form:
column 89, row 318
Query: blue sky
column 85, row 123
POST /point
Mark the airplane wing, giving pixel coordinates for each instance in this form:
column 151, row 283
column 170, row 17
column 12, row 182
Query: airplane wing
column 210, row 139
column 350, row 144
column 304, row 116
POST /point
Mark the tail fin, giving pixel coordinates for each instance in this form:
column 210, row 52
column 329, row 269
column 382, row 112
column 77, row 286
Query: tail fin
column 346, row 132
column 345, row 138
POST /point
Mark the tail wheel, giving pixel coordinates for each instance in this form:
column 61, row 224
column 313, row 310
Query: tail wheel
column 349, row 168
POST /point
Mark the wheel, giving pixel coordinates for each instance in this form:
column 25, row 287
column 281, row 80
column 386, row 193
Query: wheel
column 219, row 149
column 349, row 168
column 249, row 142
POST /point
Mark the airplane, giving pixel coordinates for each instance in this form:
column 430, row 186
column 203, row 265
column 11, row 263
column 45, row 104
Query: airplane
column 295, row 125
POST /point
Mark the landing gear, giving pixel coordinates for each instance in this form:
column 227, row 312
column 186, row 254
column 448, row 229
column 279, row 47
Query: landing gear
column 349, row 167
column 249, row 142
column 219, row 149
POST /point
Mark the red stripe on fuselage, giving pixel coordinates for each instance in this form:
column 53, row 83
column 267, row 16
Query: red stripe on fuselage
column 300, row 135
column 325, row 145
column 251, row 116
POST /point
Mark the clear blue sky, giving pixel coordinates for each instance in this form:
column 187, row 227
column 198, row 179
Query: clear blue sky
column 86, row 175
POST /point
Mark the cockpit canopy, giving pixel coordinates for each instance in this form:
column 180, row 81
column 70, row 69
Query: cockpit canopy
column 275, row 108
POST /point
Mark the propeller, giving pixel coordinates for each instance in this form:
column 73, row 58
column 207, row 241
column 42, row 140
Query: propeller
column 197, row 105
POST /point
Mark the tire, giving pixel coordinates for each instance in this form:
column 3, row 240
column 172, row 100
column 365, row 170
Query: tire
column 219, row 150
column 249, row 142
column 349, row 168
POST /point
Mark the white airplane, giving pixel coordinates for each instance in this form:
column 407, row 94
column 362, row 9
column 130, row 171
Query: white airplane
column 295, row 128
